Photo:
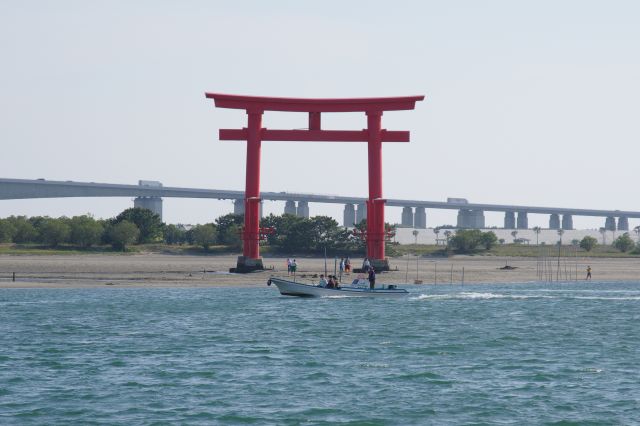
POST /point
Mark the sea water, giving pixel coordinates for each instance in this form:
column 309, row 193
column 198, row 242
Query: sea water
column 565, row 353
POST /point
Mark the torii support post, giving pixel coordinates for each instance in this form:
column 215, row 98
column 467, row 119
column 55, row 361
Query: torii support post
column 254, row 134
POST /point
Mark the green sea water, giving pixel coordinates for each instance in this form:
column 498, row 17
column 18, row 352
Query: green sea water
column 552, row 353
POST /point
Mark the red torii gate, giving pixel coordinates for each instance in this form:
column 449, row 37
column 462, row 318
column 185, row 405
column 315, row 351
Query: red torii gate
column 254, row 134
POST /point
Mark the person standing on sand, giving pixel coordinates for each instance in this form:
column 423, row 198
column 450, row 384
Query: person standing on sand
column 294, row 266
column 288, row 266
column 588, row 273
column 341, row 266
column 366, row 265
column 347, row 265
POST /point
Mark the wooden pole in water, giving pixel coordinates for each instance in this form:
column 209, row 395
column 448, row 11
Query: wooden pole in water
column 451, row 276
column 463, row 275
column 435, row 273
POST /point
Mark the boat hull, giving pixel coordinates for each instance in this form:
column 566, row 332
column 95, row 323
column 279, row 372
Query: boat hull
column 290, row 288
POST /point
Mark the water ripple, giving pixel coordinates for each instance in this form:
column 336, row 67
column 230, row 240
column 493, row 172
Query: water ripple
column 535, row 353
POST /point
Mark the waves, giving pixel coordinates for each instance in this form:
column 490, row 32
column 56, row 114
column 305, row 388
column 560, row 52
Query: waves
column 469, row 295
column 526, row 353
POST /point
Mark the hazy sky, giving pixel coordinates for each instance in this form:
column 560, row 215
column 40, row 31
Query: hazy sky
column 532, row 103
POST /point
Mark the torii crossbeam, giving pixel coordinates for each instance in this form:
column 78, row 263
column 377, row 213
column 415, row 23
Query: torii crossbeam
column 254, row 134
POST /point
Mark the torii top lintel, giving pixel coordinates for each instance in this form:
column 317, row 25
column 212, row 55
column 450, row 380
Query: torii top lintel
column 257, row 105
column 261, row 103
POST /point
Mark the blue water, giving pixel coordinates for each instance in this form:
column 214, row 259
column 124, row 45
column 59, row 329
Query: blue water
column 507, row 354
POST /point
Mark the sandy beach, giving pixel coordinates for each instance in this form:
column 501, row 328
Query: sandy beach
column 162, row 270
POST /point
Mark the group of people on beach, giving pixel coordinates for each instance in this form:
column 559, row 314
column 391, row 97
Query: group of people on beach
column 292, row 266
column 345, row 265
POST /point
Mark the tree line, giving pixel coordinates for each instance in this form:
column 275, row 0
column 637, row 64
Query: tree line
column 291, row 234
column 134, row 226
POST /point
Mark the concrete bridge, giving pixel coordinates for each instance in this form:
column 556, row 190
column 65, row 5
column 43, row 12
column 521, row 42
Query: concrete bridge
column 149, row 194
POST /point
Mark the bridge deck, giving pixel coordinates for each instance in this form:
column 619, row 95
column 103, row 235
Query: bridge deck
column 26, row 188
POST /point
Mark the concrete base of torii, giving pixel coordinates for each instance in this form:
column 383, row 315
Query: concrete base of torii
column 246, row 265
column 380, row 265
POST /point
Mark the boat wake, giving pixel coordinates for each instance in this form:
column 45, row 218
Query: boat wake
column 489, row 296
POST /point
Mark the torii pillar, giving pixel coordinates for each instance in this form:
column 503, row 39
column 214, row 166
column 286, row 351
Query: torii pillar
column 254, row 134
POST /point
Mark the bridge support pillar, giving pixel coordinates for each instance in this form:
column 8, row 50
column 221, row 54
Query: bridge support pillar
column 509, row 220
column 303, row 209
column 554, row 221
column 290, row 208
column 152, row 203
column 523, row 221
column 463, row 219
column 420, row 218
column 349, row 216
column 610, row 223
column 473, row 219
column 623, row 223
column 407, row 217
column 361, row 213
column 478, row 219
column 238, row 207
column 567, row 222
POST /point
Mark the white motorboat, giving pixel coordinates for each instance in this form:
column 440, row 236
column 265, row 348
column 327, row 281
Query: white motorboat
column 358, row 288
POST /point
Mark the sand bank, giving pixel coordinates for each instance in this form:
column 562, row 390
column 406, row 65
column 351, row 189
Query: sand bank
column 162, row 270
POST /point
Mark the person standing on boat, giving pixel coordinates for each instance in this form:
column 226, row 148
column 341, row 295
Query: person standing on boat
column 372, row 278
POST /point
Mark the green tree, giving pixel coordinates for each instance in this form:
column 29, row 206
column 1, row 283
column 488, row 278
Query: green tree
column 233, row 237
column 204, row 235
column 624, row 242
column 7, row 231
column 149, row 224
column 298, row 236
column 229, row 227
column 174, row 235
column 53, row 232
column 295, row 234
column 360, row 229
column 588, row 243
column 25, row 232
column 85, row 231
column 122, row 234
column 469, row 240
column 488, row 239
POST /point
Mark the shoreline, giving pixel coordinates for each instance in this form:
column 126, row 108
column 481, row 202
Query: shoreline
column 167, row 271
